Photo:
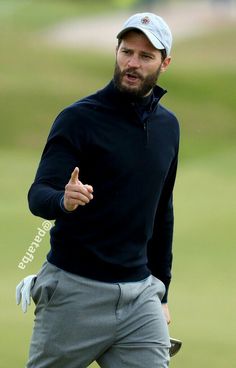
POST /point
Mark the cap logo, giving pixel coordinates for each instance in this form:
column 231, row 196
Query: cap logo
column 145, row 20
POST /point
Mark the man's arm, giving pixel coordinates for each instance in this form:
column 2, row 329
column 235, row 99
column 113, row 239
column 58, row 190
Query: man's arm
column 160, row 246
column 55, row 190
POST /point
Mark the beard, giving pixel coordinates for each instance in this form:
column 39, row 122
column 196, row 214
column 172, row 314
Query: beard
column 144, row 88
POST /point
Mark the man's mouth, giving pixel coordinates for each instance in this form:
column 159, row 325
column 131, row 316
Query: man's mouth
column 132, row 77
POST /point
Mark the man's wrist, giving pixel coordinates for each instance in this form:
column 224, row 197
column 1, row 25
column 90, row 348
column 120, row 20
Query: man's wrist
column 62, row 205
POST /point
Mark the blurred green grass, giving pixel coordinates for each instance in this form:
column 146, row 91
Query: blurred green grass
column 37, row 82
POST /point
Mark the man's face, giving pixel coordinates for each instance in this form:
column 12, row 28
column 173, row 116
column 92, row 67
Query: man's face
column 138, row 65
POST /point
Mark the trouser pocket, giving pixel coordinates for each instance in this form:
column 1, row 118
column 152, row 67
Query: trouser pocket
column 160, row 287
column 46, row 286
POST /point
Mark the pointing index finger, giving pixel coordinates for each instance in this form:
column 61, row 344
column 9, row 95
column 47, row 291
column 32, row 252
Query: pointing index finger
column 75, row 176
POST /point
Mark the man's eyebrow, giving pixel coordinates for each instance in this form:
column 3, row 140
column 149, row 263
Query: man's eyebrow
column 142, row 52
column 125, row 48
column 148, row 53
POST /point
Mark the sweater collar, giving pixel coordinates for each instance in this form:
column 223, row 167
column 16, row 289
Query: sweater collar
column 111, row 94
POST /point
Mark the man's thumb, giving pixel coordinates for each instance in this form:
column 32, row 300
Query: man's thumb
column 75, row 176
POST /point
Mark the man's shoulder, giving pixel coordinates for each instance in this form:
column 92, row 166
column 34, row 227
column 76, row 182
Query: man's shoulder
column 84, row 105
column 168, row 120
column 76, row 110
column 80, row 105
column 167, row 113
column 77, row 115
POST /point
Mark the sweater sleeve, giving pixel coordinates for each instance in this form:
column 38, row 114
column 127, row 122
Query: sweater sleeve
column 60, row 156
column 159, row 249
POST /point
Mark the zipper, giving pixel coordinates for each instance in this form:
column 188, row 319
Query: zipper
column 145, row 128
column 144, row 124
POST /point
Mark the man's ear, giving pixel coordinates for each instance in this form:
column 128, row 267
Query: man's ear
column 165, row 64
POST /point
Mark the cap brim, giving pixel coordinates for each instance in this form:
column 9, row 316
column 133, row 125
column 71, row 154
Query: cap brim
column 154, row 41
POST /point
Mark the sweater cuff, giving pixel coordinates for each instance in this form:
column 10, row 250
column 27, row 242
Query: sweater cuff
column 165, row 297
column 62, row 205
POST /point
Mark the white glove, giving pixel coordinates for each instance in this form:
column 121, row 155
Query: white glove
column 23, row 290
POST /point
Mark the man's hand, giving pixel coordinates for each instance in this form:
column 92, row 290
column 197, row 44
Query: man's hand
column 23, row 292
column 76, row 193
column 166, row 312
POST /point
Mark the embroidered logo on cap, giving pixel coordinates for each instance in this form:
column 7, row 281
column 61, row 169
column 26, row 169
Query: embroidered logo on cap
column 145, row 20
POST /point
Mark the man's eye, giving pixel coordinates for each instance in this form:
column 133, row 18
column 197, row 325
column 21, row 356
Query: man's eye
column 147, row 57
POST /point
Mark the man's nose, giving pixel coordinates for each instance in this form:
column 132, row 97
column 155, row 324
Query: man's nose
column 134, row 62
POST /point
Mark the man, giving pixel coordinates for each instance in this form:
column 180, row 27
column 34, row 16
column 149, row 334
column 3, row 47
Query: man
column 102, row 293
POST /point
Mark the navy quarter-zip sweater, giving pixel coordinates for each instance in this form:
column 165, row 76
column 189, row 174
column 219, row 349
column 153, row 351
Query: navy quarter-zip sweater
column 130, row 159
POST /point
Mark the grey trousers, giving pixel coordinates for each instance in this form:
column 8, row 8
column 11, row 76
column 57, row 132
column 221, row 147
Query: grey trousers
column 78, row 321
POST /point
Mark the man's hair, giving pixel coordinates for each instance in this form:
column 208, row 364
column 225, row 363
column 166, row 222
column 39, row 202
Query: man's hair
column 163, row 52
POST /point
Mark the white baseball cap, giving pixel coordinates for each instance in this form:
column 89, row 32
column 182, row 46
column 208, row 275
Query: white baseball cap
column 154, row 28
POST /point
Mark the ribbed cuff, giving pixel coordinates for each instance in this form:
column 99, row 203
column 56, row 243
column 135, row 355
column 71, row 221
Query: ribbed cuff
column 62, row 205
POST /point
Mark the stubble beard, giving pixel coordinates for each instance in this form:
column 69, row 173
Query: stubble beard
column 146, row 85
